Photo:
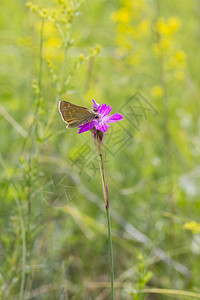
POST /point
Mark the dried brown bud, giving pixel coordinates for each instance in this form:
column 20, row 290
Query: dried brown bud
column 99, row 139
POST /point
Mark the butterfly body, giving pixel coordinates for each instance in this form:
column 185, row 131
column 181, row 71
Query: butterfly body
column 75, row 115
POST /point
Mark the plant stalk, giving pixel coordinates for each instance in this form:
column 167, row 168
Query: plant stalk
column 106, row 198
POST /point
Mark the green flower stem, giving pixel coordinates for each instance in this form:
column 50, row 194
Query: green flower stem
column 31, row 155
column 24, row 250
column 105, row 193
column 40, row 54
column 111, row 253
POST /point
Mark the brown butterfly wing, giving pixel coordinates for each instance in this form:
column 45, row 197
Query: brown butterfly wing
column 75, row 115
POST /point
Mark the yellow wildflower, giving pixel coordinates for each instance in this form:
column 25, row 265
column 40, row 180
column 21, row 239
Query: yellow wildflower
column 98, row 48
column 157, row 91
column 180, row 56
column 29, row 4
column 168, row 27
column 193, row 226
column 123, row 15
column 34, row 8
column 43, row 13
column 177, row 61
column 174, row 24
column 51, row 48
column 129, row 8
column 53, row 42
column 49, row 29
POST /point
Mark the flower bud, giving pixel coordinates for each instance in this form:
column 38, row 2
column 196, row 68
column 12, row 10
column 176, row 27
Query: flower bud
column 99, row 139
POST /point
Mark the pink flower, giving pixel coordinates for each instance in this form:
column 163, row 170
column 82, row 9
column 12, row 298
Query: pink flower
column 101, row 123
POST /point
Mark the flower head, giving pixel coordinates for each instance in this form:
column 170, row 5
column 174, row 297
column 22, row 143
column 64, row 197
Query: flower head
column 101, row 123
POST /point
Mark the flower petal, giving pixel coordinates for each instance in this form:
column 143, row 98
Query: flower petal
column 95, row 105
column 113, row 118
column 87, row 126
column 104, row 110
column 101, row 109
column 107, row 110
column 102, row 126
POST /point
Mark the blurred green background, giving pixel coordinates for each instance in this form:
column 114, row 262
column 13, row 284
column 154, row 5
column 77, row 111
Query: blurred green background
column 141, row 57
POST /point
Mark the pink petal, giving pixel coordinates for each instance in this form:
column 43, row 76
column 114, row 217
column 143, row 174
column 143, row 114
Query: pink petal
column 95, row 105
column 101, row 108
column 107, row 110
column 87, row 126
column 113, row 118
column 102, row 126
column 104, row 110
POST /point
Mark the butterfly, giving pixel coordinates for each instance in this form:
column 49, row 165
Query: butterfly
column 75, row 115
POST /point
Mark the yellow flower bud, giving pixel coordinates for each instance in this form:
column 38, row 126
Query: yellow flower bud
column 29, row 4
column 157, row 91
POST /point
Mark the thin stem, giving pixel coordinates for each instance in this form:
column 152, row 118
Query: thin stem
column 106, row 198
column 33, row 129
column 111, row 253
column 102, row 177
column 65, row 39
column 37, row 106
column 23, row 237
column 40, row 54
column 62, row 84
